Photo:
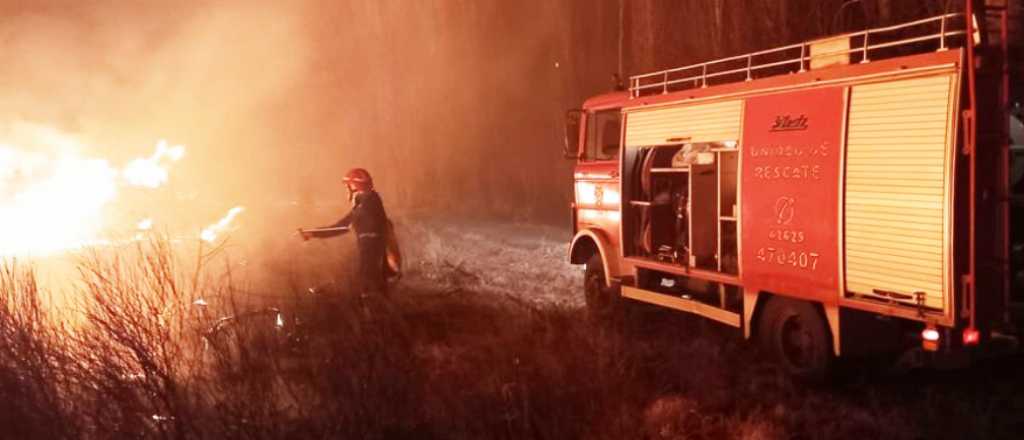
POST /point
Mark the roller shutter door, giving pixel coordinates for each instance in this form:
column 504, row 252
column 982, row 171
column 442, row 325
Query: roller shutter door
column 694, row 123
column 897, row 192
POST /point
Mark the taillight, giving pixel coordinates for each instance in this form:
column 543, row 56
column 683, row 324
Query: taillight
column 930, row 339
column 971, row 336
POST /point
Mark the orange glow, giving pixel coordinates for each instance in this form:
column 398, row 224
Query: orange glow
column 580, row 175
column 587, row 193
column 52, row 198
column 930, row 339
column 597, row 214
column 590, row 214
column 598, row 194
column 611, row 197
column 211, row 232
column 971, row 336
column 151, row 172
column 51, row 203
column 145, row 224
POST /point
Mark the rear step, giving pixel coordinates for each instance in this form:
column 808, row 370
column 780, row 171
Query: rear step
column 682, row 304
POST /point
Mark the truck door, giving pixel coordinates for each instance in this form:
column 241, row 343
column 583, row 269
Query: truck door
column 597, row 181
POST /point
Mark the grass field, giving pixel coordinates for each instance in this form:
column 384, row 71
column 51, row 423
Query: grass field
column 447, row 354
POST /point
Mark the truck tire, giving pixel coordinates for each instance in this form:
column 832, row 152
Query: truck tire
column 795, row 335
column 603, row 300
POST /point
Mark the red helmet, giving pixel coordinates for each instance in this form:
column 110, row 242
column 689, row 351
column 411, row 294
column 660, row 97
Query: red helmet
column 359, row 179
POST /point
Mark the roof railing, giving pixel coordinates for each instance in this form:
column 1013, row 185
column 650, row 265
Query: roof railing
column 799, row 57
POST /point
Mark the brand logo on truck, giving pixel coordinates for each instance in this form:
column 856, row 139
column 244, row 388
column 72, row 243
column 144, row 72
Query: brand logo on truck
column 784, row 210
column 790, row 123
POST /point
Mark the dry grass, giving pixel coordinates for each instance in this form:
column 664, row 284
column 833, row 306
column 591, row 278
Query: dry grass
column 143, row 361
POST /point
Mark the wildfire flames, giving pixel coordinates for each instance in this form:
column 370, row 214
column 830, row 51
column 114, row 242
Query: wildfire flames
column 51, row 203
column 145, row 224
column 151, row 172
column 53, row 198
column 211, row 232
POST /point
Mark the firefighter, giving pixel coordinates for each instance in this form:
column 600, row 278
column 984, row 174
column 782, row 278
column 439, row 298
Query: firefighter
column 370, row 223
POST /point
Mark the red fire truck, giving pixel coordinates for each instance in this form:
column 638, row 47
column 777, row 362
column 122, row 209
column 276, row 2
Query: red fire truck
column 846, row 196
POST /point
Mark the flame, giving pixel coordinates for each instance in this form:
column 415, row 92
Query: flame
column 144, row 226
column 151, row 172
column 53, row 199
column 51, row 203
column 210, row 233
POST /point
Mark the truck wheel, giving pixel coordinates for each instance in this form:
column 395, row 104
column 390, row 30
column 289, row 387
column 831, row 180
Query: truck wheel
column 794, row 334
column 602, row 300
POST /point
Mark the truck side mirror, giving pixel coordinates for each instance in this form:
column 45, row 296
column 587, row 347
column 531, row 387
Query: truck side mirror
column 571, row 149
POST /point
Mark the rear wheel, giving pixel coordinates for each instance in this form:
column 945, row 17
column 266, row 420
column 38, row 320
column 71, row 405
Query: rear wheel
column 796, row 336
column 602, row 299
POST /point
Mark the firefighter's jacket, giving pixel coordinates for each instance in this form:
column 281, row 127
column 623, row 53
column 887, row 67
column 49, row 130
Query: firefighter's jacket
column 367, row 218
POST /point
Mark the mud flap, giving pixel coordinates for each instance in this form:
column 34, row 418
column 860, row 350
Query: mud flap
column 832, row 317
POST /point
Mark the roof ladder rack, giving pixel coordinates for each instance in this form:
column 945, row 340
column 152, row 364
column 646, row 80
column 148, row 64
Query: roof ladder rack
column 913, row 36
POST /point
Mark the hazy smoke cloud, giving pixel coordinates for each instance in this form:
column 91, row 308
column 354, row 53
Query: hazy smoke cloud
column 112, row 69
column 455, row 106
column 118, row 76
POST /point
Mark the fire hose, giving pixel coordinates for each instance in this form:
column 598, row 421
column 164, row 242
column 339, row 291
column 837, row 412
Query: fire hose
column 393, row 256
column 314, row 230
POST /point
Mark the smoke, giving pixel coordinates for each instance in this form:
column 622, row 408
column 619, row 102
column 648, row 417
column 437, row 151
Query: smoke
column 106, row 68
column 118, row 76
column 454, row 106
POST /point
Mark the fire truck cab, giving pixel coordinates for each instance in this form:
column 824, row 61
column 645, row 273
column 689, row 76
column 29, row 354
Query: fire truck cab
column 846, row 196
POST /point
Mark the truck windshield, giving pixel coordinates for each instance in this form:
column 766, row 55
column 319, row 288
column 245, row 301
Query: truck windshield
column 603, row 129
